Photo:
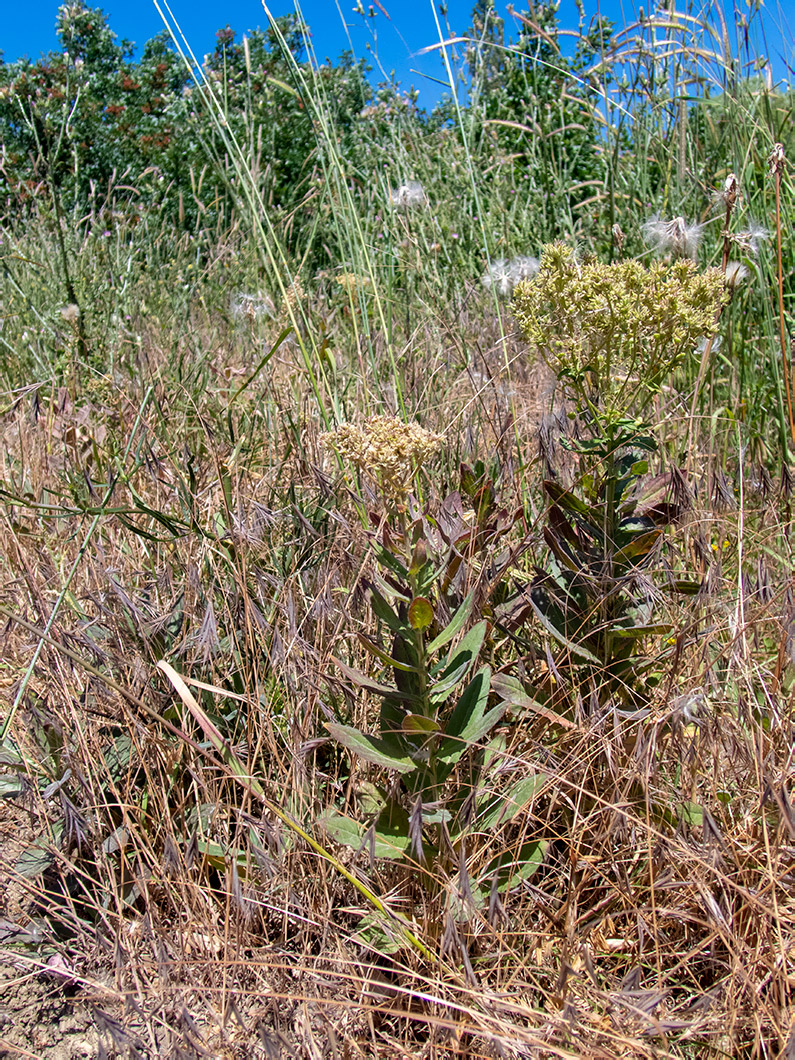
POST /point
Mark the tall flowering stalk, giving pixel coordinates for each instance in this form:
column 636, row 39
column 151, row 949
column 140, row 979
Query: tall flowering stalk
column 613, row 335
column 436, row 700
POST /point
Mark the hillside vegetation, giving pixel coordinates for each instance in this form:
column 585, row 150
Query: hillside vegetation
column 397, row 596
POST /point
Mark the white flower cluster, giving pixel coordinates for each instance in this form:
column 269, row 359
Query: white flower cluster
column 503, row 275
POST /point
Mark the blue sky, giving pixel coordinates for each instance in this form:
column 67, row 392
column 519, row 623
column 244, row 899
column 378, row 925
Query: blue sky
column 28, row 29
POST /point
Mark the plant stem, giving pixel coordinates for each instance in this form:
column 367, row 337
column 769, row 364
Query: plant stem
column 777, row 163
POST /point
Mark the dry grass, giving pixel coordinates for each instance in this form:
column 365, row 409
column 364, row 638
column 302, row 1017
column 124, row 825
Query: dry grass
column 193, row 921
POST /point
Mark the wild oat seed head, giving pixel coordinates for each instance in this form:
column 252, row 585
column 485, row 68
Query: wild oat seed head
column 408, row 196
column 386, row 448
column 613, row 333
column 674, row 237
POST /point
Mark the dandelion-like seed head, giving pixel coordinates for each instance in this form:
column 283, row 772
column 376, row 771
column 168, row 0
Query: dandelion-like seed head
column 71, row 313
column 675, row 237
column 736, row 273
column 503, row 274
column 523, row 267
column 408, row 196
column 252, row 307
column 752, row 238
column 499, row 276
column 386, row 448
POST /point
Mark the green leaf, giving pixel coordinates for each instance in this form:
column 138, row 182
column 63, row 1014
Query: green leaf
column 369, row 684
column 392, row 838
column 377, row 933
column 512, row 867
column 383, row 611
column 420, row 613
column 686, row 586
column 575, row 649
column 419, row 723
column 588, row 518
column 117, row 757
column 477, row 730
column 383, row 656
column 12, row 785
column 471, row 705
column 511, row 690
column 462, row 662
column 632, row 632
column 40, row 855
column 218, row 856
column 378, row 752
column 386, row 559
column 390, row 831
column 371, row 798
column 497, row 808
column 343, row 830
column 456, row 623
column 10, row 756
column 692, row 814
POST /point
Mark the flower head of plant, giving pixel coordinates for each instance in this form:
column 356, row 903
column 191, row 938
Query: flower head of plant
column 293, row 294
column 614, row 333
column 408, row 196
column 71, row 313
column 674, row 237
column 386, row 448
column 252, row 307
column 523, row 267
column 351, row 283
column 752, row 238
column 500, row 277
column 736, row 273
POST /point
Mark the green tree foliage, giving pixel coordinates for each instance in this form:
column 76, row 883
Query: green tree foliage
column 92, row 115
column 537, row 105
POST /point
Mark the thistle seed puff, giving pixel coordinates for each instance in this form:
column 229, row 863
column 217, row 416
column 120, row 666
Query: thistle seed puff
column 523, row 267
column 252, row 307
column 674, row 237
column 386, row 448
column 408, row 196
column 504, row 275
column 498, row 275
column 736, row 273
column 752, row 239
